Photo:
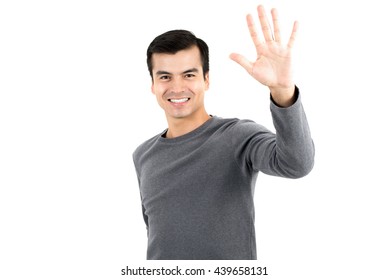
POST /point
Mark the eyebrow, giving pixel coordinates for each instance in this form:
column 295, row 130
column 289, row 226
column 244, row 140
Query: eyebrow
column 192, row 70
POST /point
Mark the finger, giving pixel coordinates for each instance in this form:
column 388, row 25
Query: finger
column 276, row 26
column 253, row 31
column 293, row 35
column 266, row 29
column 242, row 61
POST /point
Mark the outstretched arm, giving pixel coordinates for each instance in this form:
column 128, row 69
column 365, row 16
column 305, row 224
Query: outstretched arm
column 273, row 66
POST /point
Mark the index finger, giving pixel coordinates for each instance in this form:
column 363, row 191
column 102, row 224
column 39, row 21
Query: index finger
column 253, row 31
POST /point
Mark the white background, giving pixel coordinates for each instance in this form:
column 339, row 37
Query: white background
column 75, row 102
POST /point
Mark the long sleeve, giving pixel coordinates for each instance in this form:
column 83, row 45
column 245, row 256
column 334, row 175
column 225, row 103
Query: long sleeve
column 197, row 189
column 145, row 218
column 287, row 153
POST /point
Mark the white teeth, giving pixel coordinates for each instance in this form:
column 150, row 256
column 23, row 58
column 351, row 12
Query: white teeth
column 179, row 100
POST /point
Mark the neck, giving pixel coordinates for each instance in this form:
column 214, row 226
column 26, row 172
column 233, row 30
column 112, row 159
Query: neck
column 181, row 126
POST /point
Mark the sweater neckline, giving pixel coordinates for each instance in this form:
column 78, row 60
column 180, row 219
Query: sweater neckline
column 190, row 135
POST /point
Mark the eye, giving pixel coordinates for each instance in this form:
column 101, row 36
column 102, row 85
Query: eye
column 190, row 75
column 164, row 77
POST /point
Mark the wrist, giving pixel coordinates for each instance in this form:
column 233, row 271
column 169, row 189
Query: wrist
column 283, row 97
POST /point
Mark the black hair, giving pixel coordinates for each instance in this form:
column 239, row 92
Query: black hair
column 176, row 40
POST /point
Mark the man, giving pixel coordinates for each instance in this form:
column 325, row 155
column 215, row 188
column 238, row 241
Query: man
column 197, row 178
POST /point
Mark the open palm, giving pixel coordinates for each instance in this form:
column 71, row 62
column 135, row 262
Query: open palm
column 273, row 66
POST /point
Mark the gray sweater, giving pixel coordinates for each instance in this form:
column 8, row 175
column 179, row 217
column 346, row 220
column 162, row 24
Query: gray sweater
column 197, row 189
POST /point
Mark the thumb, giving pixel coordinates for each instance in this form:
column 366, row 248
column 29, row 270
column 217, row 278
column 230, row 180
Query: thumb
column 242, row 61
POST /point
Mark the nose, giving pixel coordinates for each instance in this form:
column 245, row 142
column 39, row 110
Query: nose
column 177, row 85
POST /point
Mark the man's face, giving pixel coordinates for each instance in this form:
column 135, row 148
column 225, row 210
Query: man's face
column 179, row 84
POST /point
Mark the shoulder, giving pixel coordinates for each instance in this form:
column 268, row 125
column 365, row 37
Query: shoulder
column 235, row 123
column 145, row 146
column 238, row 128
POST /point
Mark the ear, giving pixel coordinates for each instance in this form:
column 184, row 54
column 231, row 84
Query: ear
column 152, row 87
column 206, row 80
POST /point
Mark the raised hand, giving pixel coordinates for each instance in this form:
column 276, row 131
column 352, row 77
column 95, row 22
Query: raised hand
column 273, row 66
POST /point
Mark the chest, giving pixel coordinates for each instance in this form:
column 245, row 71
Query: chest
column 181, row 175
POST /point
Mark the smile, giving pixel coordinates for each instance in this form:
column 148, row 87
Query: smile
column 181, row 100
